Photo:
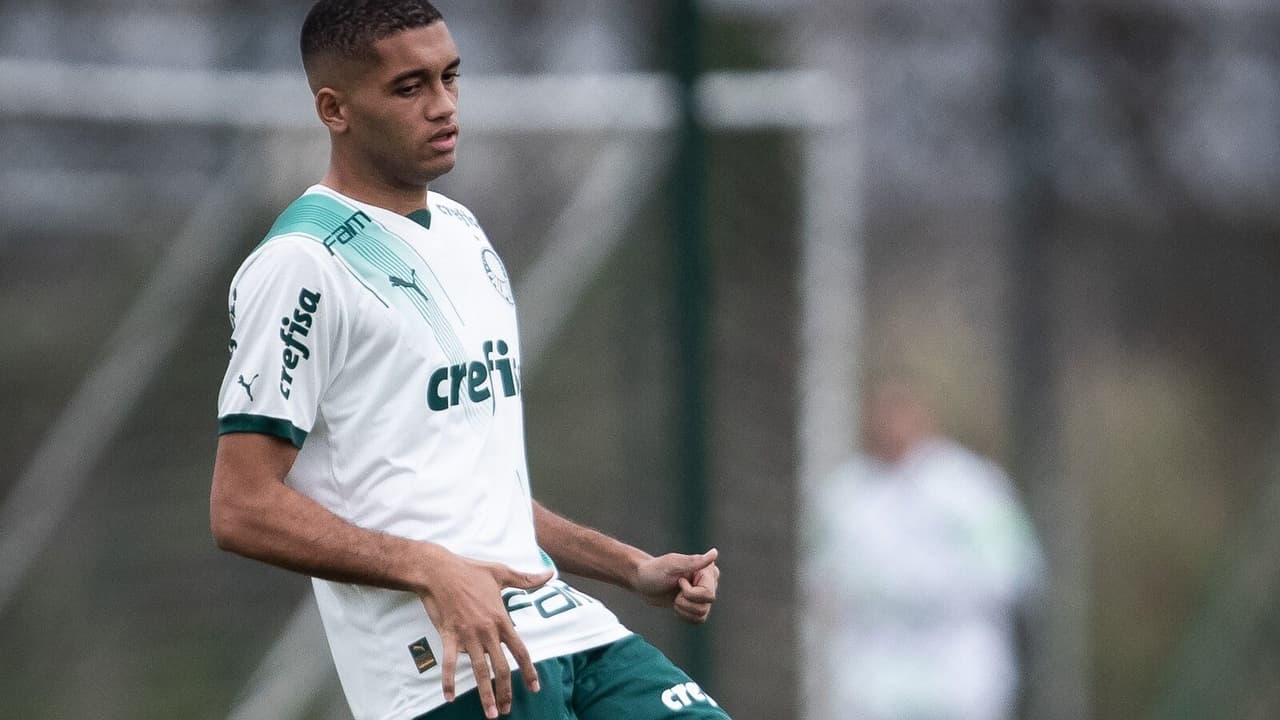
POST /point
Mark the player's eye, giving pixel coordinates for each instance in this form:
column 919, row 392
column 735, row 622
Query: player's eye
column 407, row 90
column 451, row 78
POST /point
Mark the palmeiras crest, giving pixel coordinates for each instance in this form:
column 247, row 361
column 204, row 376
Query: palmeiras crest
column 497, row 274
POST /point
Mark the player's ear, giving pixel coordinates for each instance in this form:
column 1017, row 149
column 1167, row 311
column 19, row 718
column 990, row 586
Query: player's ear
column 331, row 109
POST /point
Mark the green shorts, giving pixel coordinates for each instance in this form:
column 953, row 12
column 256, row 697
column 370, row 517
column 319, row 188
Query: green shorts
column 626, row 680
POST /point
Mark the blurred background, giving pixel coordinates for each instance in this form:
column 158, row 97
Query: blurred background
column 720, row 217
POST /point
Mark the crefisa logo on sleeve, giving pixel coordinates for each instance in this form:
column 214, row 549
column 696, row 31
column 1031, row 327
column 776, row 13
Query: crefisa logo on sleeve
column 292, row 330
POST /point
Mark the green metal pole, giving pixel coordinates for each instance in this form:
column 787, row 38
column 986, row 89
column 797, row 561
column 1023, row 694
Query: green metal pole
column 691, row 274
column 1058, row 671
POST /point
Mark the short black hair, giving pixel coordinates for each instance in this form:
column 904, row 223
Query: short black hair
column 349, row 28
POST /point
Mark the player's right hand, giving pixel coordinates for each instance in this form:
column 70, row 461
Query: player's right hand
column 464, row 601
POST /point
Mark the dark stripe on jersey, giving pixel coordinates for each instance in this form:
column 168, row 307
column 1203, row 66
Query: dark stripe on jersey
column 263, row 425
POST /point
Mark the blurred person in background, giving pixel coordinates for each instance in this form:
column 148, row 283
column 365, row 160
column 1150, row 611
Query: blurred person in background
column 921, row 559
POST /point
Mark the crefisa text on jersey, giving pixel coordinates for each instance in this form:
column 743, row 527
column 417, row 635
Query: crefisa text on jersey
column 474, row 376
column 292, row 329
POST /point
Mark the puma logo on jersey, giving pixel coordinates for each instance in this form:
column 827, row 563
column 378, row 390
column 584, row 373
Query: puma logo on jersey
column 679, row 697
column 248, row 386
column 292, row 331
column 410, row 284
column 447, row 384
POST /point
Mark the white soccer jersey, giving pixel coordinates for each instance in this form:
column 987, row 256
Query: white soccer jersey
column 385, row 348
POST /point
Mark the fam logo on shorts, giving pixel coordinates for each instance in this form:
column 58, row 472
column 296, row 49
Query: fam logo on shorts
column 497, row 274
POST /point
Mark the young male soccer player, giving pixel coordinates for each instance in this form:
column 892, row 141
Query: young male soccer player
column 371, row 428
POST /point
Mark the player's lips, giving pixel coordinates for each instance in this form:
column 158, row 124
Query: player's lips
column 445, row 140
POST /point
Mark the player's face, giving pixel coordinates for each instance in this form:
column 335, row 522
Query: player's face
column 404, row 109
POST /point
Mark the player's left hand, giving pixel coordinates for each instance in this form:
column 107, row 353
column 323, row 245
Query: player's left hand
column 685, row 583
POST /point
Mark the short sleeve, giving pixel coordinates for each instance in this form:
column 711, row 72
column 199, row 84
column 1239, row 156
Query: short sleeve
column 286, row 341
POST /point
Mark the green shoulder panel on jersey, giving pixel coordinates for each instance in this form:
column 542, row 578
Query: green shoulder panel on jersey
column 381, row 260
column 317, row 216
column 263, row 425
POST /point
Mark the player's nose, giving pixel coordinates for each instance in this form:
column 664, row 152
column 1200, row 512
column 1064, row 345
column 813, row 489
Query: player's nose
column 442, row 105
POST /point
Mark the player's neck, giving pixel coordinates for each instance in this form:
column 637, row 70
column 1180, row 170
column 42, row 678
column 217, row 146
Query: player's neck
column 372, row 191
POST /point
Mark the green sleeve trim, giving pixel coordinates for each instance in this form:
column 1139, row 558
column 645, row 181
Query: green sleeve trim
column 243, row 423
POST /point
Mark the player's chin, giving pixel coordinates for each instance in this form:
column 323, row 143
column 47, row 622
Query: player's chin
column 438, row 165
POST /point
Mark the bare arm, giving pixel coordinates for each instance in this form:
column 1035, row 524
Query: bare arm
column 589, row 553
column 254, row 513
column 685, row 583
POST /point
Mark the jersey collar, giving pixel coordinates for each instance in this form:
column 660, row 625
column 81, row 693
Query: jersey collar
column 422, row 217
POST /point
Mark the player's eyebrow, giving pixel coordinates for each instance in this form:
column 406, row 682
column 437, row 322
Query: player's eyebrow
column 424, row 72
